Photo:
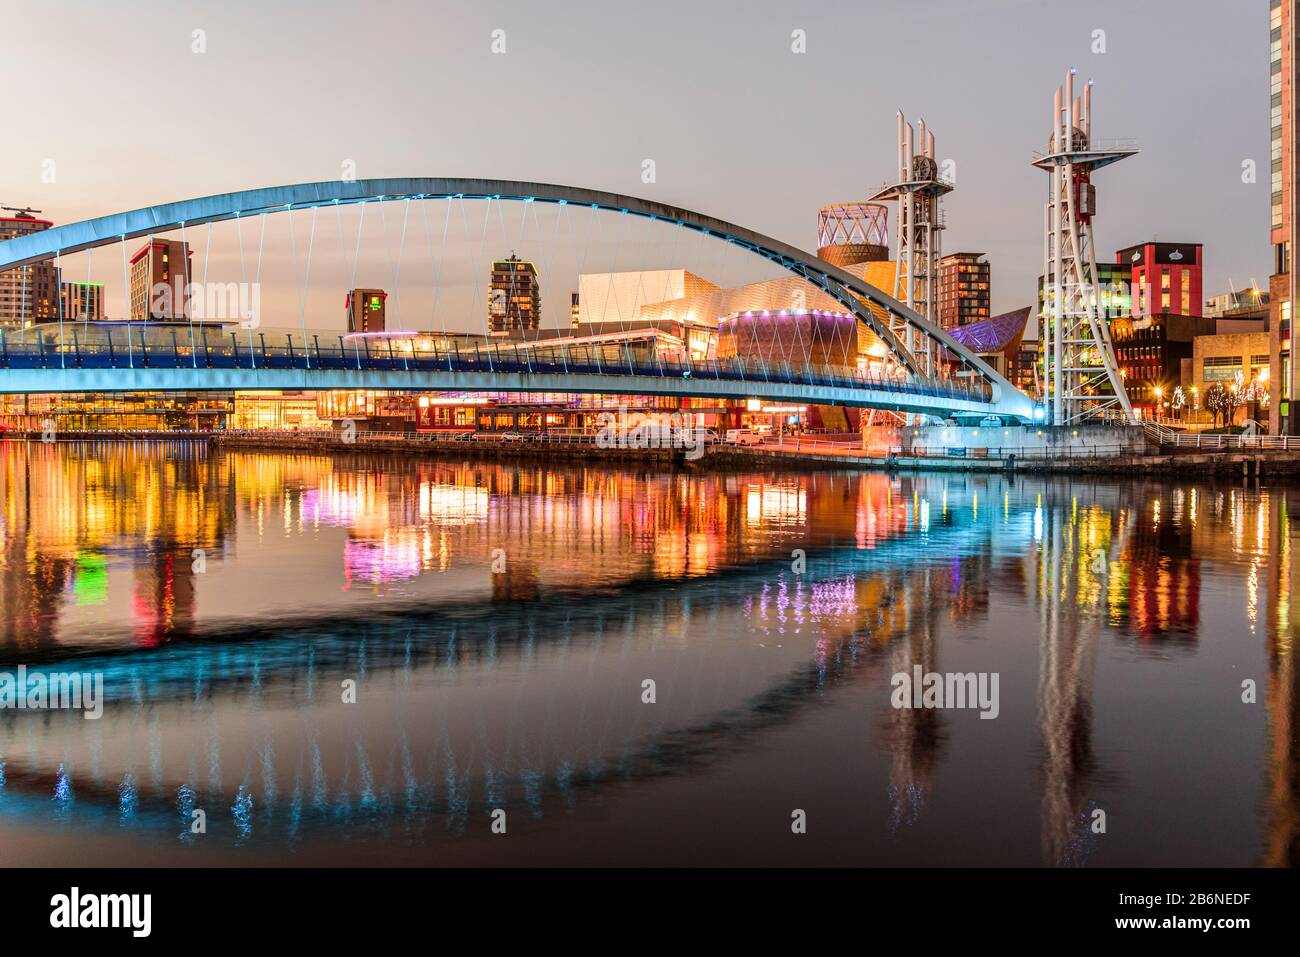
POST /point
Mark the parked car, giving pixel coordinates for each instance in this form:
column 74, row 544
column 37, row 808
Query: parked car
column 742, row 437
column 510, row 437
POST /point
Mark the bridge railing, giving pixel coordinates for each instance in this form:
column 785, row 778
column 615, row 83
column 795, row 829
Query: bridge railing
column 181, row 345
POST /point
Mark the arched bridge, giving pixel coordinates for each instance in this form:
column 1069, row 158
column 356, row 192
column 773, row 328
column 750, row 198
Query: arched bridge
column 77, row 356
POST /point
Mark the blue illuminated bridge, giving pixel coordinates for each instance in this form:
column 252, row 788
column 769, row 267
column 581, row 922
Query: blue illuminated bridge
column 941, row 377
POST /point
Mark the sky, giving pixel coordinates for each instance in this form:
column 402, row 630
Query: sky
column 121, row 110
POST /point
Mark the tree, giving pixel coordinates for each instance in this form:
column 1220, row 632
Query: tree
column 1217, row 401
column 1238, row 395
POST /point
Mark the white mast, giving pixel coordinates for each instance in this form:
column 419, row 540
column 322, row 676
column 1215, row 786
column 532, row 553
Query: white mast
column 1082, row 377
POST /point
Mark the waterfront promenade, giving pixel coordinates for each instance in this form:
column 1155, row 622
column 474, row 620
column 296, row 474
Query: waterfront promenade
column 1151, row 451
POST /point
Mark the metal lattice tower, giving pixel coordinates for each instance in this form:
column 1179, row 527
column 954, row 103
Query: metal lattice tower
column 1081, row 376
column 918, row 189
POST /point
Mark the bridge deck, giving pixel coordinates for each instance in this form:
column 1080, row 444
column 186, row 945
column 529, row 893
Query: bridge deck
column 129, row 357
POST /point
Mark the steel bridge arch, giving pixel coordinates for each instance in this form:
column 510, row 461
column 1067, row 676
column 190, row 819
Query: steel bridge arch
column 843, row 286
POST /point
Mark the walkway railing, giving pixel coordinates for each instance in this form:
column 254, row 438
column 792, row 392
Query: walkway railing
column 128, row 345
column 1199, row 440
column 998, row 454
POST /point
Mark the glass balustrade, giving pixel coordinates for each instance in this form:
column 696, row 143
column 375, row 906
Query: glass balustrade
column 123, row 345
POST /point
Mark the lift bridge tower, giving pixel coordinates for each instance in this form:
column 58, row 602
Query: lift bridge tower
column 1081, row 377
column 918, row 189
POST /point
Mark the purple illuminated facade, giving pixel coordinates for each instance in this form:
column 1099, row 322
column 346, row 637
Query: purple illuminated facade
column 820, row 338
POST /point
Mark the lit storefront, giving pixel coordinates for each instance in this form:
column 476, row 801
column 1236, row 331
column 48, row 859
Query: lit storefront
column 371, row 410
column 439, row 413
column 501, row 411
column 774, row 418
column 279, row 411
column 550, row 411
column 118, row 411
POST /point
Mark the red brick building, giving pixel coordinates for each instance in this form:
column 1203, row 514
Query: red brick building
column 1166, row 278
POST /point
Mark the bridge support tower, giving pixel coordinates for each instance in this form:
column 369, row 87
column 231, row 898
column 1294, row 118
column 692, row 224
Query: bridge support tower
column 1081, row 376
column 918, row 189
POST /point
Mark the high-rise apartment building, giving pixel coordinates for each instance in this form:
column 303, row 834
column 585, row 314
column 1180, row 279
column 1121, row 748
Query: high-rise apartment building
column 83, row 301
column 1165, row 278
column 159, row 282
column 28, row 294
column 1281, row 284
column 963, row 289
column 1114, row 282
column 514, row 297
column 367, row 310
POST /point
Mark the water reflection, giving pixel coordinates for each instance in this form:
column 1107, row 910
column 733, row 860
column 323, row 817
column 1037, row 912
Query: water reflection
column 228, row 596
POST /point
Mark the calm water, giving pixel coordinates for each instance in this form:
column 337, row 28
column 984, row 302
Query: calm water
column 226, row 597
